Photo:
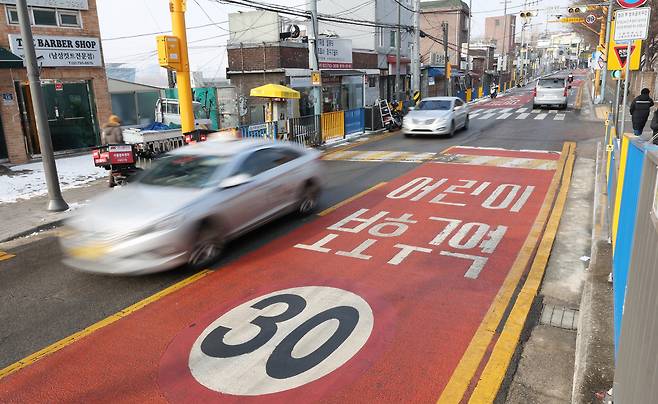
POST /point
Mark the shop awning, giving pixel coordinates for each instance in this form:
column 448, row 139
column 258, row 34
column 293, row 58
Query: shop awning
column 8, row 60
column 274, row 91
column 338, row 73
column 391, row 59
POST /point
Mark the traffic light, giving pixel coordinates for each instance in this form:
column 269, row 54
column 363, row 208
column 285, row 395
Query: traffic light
column 527, row 14
column 577, row 9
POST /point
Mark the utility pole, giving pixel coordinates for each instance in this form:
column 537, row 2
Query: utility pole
column 313, row 58
column 468, row 37
column 398, row 45
column 504, row 69
column 177, row 9
column 415, row 57
column 444, row 27
column 56, row 202
column 601, row 98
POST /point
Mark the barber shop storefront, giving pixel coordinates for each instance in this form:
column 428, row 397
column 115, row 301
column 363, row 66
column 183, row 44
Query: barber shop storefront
column 72, row 79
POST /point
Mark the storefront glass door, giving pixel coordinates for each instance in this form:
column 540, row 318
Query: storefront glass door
column 70, row 116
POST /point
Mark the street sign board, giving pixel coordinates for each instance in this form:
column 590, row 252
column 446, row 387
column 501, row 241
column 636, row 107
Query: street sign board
column 590, row 19
column 614, row 62
column 631, row 3
column 632, row 24
column 621, row 51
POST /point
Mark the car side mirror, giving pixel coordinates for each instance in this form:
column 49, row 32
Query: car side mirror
column 235, row 181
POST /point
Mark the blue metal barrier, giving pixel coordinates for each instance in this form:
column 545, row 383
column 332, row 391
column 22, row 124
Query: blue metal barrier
column 486, row 90
column 355, row 121
column 461, row 94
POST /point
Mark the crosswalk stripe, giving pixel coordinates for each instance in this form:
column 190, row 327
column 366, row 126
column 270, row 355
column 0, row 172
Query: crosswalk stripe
column 504, row 110
column 474, row 114
column 541, row 116
column 560, row 117
column 535, row 111
column 504, row 116
column 552, row 111
column 486, row 116
column 523, row 115
column 520, row 110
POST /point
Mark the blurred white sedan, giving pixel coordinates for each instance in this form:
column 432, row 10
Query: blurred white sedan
column 436, row 116
column 189, row 204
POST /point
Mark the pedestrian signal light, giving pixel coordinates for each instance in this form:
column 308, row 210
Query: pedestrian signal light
column 576, row 10
column 526, row 14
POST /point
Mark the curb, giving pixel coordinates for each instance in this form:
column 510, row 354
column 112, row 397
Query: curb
column 36, row 229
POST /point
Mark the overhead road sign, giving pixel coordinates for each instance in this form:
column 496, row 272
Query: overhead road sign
column 632, row 24
column 631, row 3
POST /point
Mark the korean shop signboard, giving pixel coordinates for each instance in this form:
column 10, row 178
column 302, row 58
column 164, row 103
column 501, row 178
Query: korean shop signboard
column 334, row 53
column 68, row 4
column 61, row 51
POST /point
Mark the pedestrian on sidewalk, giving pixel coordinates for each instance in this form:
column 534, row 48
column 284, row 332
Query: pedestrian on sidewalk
column 640, row 111
column 112, row 133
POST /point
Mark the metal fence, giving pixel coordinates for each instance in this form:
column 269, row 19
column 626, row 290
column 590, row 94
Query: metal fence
column 354, row 121
column 636, row 370
column 333, row 125
column 305, row 130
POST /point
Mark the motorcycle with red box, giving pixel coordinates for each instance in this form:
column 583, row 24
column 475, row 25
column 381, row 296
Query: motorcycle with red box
column 119, row 159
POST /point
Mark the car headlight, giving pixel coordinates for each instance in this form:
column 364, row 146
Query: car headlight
column 170, row 222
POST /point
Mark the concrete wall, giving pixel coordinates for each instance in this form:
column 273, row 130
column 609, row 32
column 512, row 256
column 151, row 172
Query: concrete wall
column 362, row 37
column 10, row 114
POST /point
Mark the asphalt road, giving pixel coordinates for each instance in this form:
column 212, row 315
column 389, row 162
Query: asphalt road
column 43, row 301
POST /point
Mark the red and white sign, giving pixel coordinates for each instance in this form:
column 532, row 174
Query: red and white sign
column 621, row 51
column 122, row 154
column 631, row 3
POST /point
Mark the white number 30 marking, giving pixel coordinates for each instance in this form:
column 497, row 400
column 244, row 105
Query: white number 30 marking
column 281, row 340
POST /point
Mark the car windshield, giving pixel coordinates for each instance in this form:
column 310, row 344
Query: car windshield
column 187, row 171
column 551, row 83
column 436, row 105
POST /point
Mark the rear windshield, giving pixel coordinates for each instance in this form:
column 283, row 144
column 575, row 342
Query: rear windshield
column 440, row 105
column 551, row 83
column 187, row 171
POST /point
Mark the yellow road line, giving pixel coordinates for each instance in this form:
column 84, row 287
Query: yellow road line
column 579, row 97
column 103, row 323
column 501, row 356
column 621, row 176
column 5, row 256
column 355, row 144
column 468, row 365
column 350, row 199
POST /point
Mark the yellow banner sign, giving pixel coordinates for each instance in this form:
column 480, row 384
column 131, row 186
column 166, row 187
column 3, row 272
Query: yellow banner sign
column 572, row 19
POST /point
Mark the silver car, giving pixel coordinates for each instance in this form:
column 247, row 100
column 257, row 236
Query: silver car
column 551, row 91
column 436, row 116
column 189, row 204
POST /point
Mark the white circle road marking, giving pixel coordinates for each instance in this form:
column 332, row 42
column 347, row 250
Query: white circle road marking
column 293, row 337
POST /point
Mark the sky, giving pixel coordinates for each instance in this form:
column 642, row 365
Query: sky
column 127, row 18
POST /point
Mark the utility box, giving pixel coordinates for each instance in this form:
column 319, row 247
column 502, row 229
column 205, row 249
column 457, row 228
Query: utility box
column 169, row 55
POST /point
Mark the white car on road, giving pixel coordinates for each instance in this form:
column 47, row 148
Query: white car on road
column 436, row 116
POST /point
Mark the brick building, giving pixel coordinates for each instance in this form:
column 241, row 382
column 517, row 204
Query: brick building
column 67, row 39
column 456, row 14
column 500, row 31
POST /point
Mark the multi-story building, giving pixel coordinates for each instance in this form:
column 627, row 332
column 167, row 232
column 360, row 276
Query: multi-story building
column 500, row 31
column 68, row 47
column 380, row 40
column 433, row 13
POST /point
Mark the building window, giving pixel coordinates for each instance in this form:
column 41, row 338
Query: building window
column 392, row 38
column 44, row 16
column 380, row 34
column 68, row 19
column 497, row 22
column 49, row 17
column 12, row 15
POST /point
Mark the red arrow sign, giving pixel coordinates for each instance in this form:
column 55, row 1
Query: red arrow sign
column 622, row 54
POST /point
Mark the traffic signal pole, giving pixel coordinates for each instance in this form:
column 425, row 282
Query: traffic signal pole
column 177, row 9
column 607, row 44
column 56, row 202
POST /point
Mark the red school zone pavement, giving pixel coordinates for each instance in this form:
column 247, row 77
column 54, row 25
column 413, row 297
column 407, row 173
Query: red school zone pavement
column 376, row 301
column 516, row 100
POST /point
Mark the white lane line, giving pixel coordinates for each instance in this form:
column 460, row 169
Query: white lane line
column 523, row 115
column 486, row 116
column 520, row 110
column 559, row 117
column 504, row 116
column 505, row 110
column 541, row 116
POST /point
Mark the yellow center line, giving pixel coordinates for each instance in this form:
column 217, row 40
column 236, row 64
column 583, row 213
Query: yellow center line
column 468, row 365
column 501, row 356
column 5, row 256
column 50, row 349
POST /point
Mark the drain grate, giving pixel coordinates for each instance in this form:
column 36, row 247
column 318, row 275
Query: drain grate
column 559, row 316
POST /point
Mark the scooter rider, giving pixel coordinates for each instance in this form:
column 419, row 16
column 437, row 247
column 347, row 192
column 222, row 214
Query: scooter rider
column 494, row 90
column 570, row 78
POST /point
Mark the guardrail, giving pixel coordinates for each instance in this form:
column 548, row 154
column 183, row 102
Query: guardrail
column 333, row 125
column 305, row 130
column 637, row 344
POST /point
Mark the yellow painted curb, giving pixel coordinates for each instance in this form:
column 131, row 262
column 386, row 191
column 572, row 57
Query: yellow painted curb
column 621, row 176
column 5, row 256
column 468, row 365
column 501, row 356
column 94, row 327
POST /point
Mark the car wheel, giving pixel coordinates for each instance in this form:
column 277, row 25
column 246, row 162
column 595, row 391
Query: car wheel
column 207, row 249
column 451, row 133
column 466, row 122
column 308, row 200
column 535, row 106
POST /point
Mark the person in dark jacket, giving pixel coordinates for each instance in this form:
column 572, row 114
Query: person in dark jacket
column 640, row 111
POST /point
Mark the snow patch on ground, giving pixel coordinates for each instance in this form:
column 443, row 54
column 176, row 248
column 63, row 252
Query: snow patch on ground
column 27, row 180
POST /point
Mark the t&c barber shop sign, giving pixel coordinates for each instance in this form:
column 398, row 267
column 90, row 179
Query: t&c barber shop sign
column 61, row 51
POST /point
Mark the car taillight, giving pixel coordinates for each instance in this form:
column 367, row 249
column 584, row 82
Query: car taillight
column 188, row 138
column 534, row 92
column 203, row 138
